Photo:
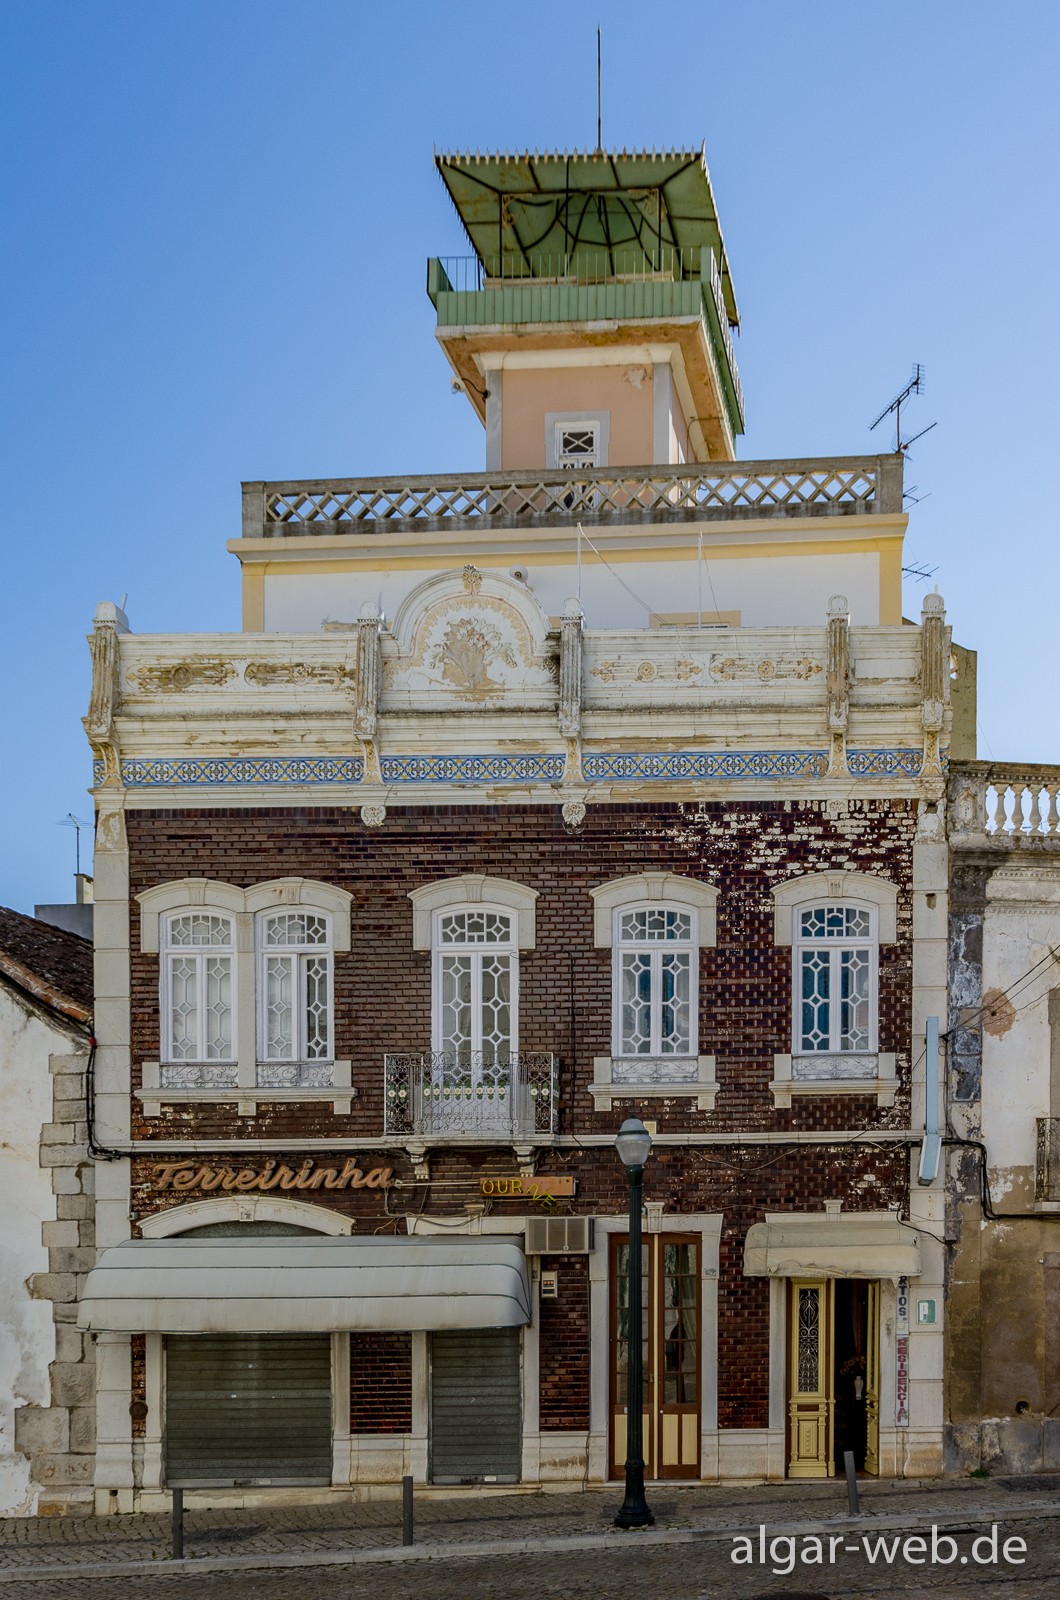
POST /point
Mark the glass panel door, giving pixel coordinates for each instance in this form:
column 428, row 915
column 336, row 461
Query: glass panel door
column 671, row 1311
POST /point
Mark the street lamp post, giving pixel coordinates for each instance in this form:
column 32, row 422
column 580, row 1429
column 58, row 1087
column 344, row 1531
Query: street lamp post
column 633, row 1143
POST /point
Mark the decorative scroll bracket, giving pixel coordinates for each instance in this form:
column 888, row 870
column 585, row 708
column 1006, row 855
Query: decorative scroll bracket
column 934, row 681
column 838, row 683
column 105, row 699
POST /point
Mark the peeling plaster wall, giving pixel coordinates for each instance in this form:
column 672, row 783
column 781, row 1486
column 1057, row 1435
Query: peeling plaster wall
column 27, row 1335
column 1003, row 1293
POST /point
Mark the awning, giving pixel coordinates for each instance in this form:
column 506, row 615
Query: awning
column 306, row 1285
column 821, row 1246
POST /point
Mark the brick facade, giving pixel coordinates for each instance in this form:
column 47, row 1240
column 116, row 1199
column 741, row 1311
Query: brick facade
column 383, row 1003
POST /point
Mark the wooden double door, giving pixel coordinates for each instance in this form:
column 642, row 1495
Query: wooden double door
column 833, row 1375
column 671, row 1318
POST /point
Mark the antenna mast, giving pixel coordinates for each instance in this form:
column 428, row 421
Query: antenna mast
column 599, row 117
column 914, row 386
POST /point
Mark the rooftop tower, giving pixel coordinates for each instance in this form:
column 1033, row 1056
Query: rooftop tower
column 593, row 324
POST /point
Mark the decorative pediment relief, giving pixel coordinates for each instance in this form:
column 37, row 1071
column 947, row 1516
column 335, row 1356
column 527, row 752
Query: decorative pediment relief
column 471, row 636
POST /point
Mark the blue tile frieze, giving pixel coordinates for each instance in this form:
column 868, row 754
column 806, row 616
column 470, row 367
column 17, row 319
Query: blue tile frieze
column 620, row 766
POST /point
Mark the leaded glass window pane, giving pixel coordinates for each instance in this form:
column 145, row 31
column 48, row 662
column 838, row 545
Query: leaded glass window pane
column 636, row 1003
column 295, row 968
column 197, row 987
column 816, row 997
column 675, row 995
column 835, row 979
column 474, row 927
column 295, row 929
column 655, row 974
column 638, row 927
column 808, row 1354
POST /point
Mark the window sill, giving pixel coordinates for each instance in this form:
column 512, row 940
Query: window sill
column 698, row 1080
column 834, row 1074
column 245, row 1095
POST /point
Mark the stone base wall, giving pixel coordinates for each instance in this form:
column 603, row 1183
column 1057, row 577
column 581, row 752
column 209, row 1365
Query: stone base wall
column 60, row 1439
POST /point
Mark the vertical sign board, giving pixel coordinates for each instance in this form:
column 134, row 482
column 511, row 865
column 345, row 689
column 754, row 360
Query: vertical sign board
column 901, row 1356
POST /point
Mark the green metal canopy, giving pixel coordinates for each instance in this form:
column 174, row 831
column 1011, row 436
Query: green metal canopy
column 546, row 214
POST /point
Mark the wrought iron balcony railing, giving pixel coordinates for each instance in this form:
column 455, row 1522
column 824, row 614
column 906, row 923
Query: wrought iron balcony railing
column 1047, row 1168
column 470, row 1094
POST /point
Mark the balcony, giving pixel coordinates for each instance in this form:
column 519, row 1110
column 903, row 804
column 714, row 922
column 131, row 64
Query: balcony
column 1047, row 1167
column 470, row 1095
column 598, row 496
column 1003, row 806
column 606, row 286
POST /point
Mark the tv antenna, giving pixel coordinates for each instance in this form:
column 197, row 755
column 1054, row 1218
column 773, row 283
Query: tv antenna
column 77, row 823
column 599, row 114
column 914, row 386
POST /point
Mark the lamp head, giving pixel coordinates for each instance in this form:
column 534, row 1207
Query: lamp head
column 633, row 1143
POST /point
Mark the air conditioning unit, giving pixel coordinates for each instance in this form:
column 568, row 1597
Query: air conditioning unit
column 559, row 1236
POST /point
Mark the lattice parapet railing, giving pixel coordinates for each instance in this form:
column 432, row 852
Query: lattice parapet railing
column 1047, row 1167
column 848, row 485
column 1005, row 804
column 470, row 1095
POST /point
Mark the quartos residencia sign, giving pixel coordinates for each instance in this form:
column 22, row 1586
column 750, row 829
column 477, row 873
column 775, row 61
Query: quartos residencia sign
column 182, row 1176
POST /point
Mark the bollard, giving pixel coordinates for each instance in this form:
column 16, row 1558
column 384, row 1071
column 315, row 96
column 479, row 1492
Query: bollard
column 178, row 1524
column 406, row 1510
column 852, row 1482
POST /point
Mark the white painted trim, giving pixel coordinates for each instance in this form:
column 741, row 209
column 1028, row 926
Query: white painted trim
column 474, row 888
column 340, row 1408
column 154, row 1394
column 557, row 421
column 211, row 894
column 662, row 380
column 243, row 1208
column 851, row 887
column 494, row 419
column 179, row 895
column 883, row 1085
column 625, row 355
column 704, row 1090
column 654, row 887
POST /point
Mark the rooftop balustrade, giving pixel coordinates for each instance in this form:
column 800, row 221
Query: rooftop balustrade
column 692, row 492
column 1004, row 806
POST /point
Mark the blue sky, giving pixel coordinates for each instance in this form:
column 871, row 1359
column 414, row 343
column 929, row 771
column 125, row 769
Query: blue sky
column 217, row 217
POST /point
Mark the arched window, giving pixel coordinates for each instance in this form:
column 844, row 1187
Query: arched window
column 475, row 984
column 835, row 962
column 197, row 998
column 656, row 988
column 295, row 986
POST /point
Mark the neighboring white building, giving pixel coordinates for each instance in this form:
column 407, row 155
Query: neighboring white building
column 1003, row 1301
column 47, row 1412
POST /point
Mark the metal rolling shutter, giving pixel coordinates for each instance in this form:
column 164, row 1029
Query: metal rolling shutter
column 476, row 1424
column 248, row 1408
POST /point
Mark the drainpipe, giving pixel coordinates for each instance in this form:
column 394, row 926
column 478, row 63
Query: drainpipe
column 932, row 1146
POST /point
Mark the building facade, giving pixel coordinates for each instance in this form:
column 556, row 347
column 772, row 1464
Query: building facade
column 607, row 781
column 1003, row 1341
column 47, row 1386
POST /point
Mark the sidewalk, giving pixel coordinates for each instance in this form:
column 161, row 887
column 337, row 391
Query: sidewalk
column 498, row 1523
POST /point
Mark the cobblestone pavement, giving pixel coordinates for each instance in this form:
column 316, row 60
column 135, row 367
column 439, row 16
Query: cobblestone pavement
column 488, row 1547
column 692, row 1570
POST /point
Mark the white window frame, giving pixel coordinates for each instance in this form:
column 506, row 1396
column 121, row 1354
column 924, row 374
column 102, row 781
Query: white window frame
column 245, row 1079
column 199, row 954
column 476, row 950
column 298, row 954
column 644, row 1077
column 804, row 943
column 557, row 423
column 836, row 1071
column 655, row 949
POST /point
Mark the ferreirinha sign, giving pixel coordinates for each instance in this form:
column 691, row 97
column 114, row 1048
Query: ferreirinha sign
column 184, row 1176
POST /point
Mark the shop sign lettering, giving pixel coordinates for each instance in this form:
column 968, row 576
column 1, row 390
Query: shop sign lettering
column 183, row 1176
column 526, row 1188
